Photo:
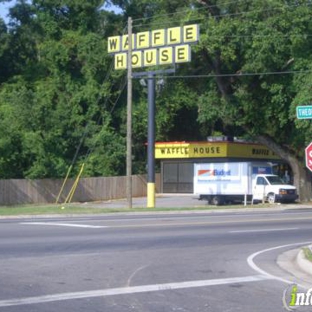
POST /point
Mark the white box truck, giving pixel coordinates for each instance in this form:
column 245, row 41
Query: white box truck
column 229, row 182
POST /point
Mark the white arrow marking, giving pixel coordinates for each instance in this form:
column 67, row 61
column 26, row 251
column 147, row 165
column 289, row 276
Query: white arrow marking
column 66, row 224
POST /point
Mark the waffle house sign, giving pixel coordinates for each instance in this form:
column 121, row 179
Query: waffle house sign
column 156, row 47
column 176, row 150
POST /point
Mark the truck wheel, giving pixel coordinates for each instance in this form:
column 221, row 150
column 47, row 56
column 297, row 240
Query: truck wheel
column 217, row 201
column 271, row 198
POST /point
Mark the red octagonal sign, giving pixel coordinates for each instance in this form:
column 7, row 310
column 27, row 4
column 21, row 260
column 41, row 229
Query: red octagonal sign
column 308, row 156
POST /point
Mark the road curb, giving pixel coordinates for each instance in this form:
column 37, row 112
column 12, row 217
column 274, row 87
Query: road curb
column 172, row 211
column 304, row 264
column 177, row 211
column 287, row 261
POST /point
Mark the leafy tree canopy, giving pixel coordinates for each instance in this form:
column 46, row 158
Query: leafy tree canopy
column 60, row 97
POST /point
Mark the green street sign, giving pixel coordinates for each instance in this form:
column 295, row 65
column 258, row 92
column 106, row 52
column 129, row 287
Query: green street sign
column 304, row 112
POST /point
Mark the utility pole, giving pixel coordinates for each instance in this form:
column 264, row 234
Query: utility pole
column 129, row 116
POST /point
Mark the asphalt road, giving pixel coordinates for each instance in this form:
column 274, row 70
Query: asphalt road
column 178, row 262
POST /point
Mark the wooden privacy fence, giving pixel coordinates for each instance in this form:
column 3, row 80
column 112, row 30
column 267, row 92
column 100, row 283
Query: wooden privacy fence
column 19, row 192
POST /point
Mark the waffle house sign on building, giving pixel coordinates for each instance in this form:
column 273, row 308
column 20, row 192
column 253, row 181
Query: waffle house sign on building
column 157, row 47
column 188, row 150
column 177, row 159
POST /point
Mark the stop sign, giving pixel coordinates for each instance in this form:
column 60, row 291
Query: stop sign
column 308, row 156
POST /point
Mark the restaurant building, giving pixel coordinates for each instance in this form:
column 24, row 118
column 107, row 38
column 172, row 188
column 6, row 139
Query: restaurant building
column 177, row 159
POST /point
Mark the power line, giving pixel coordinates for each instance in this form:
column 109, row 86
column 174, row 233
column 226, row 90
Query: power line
column 262, row 36
column 204, row 7
column 255, row 35
column 237, row 74
column 121, row 89
column 87, row 126
column 91, row 149
column 86, row 129
column 224, row 15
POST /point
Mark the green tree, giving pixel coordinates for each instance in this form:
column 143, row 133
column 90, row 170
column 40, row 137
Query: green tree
column 57, row 97
column 254, row 50
column 249, row 71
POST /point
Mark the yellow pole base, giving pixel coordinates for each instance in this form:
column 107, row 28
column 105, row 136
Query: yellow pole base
column 150, row 195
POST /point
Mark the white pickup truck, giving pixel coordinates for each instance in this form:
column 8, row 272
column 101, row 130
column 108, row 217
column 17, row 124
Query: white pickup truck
column 228, row 182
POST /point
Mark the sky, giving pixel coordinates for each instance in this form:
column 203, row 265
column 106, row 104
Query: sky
column 4, row 9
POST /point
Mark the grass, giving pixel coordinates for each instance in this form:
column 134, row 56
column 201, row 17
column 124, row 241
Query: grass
column 308, row 253
column 53, row 209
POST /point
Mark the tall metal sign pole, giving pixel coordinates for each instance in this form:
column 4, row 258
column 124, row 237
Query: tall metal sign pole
column 151, row 92
column 151, row 141
column 129, row 117
column 150, row 48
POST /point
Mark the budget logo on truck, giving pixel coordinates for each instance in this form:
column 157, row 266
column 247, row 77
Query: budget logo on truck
column 213, row 173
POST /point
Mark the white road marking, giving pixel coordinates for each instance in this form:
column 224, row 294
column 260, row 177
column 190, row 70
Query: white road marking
column 129, row 290
column 168, row 223
column 251, row 263
column 264, row 230
column 134, row 273
column 65, row 224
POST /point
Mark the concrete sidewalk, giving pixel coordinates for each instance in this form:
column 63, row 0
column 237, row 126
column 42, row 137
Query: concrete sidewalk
column 304, row 264
column 295, row 263
column 188, row 201
column 161, row 201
